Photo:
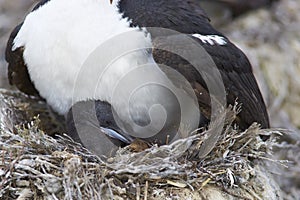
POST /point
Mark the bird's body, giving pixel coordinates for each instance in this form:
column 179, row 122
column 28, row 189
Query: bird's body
column 57, row 39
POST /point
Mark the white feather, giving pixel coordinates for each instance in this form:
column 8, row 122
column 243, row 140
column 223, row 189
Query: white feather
column 211, row 39
column 59, row 37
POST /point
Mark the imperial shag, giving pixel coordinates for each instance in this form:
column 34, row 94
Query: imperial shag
column 49, row 56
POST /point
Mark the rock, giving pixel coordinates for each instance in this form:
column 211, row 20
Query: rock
column 11, row 14
column 17, row 109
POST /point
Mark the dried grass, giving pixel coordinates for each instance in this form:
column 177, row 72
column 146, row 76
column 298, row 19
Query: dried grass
column 37, row 166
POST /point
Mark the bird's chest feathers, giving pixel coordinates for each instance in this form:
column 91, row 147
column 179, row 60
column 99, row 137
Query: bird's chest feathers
column 59, row 39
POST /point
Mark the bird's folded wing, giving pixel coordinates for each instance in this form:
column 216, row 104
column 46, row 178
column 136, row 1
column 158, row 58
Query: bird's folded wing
column 234, row 67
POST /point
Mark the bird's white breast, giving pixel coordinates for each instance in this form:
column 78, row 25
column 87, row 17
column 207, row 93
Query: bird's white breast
column 60, row 36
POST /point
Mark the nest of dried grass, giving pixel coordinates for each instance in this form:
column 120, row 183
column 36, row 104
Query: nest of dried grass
column 37, row 166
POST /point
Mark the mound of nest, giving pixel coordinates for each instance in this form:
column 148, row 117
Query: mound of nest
column 35, row 165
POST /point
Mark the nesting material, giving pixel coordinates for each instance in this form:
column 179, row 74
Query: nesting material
column 37, row 166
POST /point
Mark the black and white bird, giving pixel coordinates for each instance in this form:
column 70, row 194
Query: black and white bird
column 55, row 54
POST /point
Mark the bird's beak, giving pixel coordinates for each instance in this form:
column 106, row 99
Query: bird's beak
column 111, row 1
column 118, row 135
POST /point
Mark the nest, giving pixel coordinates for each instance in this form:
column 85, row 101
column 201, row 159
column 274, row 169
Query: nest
column 37, row 166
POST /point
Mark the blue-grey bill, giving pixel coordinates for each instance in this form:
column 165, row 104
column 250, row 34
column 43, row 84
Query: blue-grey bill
column 115, row 135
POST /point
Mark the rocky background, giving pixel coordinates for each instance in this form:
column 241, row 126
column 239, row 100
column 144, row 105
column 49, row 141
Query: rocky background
column 270, row 37
column 12, row 12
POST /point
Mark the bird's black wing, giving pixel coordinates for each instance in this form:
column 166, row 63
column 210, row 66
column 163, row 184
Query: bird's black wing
column 17, row 70
column 188, row 17
column 236, row 72
column 240, row 83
